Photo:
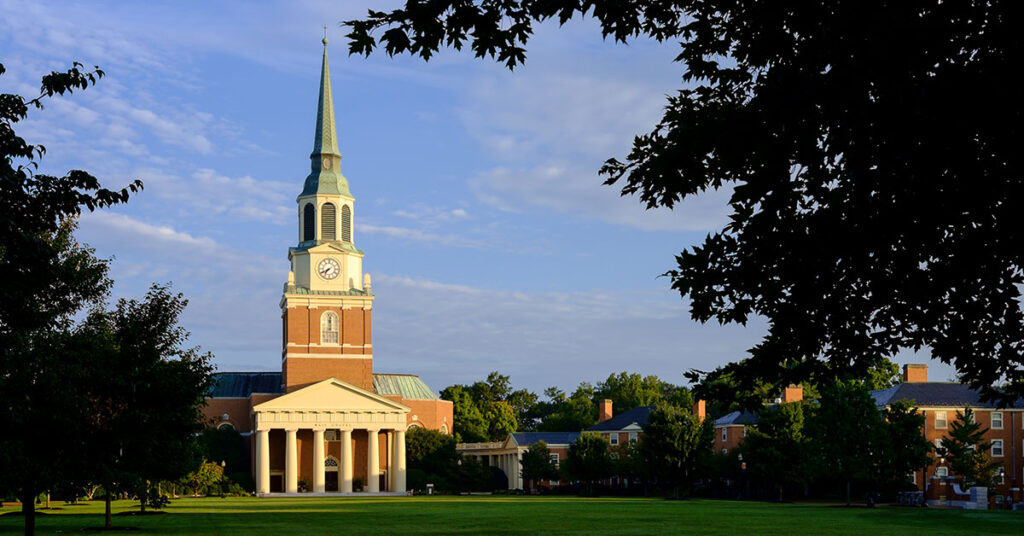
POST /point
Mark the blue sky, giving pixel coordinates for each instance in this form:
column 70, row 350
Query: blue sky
column 491, row 241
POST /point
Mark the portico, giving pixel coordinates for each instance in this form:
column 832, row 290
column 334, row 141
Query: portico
column 361, row 433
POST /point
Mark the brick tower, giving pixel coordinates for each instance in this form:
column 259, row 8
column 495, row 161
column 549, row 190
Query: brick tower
column 327, row 303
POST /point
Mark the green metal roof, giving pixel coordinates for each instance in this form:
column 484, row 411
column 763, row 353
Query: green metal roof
column 294, row 289
column 405, row 385
column 325, row 145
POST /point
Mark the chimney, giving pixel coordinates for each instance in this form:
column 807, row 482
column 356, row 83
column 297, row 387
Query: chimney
column 604, row 410
column 700, row 409
column 915, row 373
column 793, row 393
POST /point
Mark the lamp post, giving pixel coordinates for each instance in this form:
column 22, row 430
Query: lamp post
column 223, row 479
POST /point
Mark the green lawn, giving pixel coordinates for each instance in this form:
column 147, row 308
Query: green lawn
column 522, row 515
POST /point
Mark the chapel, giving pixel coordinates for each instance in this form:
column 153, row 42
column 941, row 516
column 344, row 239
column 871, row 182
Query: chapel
column 326, row 423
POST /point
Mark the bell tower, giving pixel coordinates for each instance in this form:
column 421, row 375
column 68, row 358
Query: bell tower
column 327, row 303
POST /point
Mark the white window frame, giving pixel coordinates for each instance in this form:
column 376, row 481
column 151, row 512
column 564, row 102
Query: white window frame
column 943, row 470
column 992, row 451
column 633, row 437
column 994, row 415
column 613, row 439
column 554, row 458
column 913, row 477
column 944, row 420
column 725, row 434
column 999, row 479
column 325, row 328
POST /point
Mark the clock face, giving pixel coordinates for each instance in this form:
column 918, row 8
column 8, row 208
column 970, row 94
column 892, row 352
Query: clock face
column 327, row 162
column 328, row 268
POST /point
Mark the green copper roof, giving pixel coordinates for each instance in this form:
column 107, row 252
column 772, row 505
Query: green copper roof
column 405, row 385
column 325, row 161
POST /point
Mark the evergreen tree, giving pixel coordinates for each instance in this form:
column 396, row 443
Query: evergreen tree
column 967, row 450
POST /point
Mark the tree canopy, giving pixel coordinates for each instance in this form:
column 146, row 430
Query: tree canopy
column 872, row 153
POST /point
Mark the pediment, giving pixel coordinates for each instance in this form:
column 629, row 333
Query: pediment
column 634, row 427
column 332, row 394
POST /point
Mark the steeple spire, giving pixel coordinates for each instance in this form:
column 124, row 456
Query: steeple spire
column 325, row 176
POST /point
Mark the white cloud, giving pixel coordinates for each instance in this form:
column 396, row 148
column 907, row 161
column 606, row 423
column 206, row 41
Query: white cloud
column 562, row 187
column 421, row 236
column 541, row 338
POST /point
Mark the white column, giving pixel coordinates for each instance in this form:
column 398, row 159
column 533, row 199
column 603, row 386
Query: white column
column 372, row 462
column 318, row 461
column 399, row 459
column 345, row 473
column 263, row 461
column 291, row 463
column 390, row 462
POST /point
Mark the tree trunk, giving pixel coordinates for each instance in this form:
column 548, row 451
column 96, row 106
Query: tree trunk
column 847, row 492
column 106, row 515
column 28, row 511
column 780, row 492
column 143, row 495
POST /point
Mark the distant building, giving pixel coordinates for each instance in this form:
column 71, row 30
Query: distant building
column 326, row 420
column 621, row 429
column 939, row 402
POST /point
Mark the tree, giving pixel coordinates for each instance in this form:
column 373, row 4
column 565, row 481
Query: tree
column 432, row 458
column 776, row 451
column 846, row 433
column 968, row 451
column 908, row 449
column 868, row 214
column 537, row 465
column 207, row 474
column 628, row 391
column 675, row 444
column 490, row 410
column 148, row 392
column 501, row 420
column 588, row 461
column 574, row 413
column 46, row 277
column 469, row 422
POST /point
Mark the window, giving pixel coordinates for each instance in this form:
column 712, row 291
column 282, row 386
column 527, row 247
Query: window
column 613, row 439
column 725, row 451
column 346, row 223
column 912, row 477
column 997, row 420
column 940, row 420
column 331, row 435
column 938, row 445
column 554, row 459
column 632, row 437
column 225, row 426
column 725, row 434
column 941, row 472
column 999, row 479
column 331, row 463
column 997, row 448
column 329, row 328
column 328, row 222
column 308, row 222
column 743, row 432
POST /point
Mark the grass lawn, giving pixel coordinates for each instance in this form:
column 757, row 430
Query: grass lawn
column 520, row 515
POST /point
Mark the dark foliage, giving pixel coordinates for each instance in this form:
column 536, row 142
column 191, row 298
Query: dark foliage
column 872, row 149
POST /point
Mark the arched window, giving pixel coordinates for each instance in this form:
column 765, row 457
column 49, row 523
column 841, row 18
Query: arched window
column 308, row 222
column 346, row 223
column 225, row 426
column 328, row 222
column 331, row 463
column 329, row 328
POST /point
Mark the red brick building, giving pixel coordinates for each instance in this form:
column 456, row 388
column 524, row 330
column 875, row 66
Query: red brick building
column 327, row 419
